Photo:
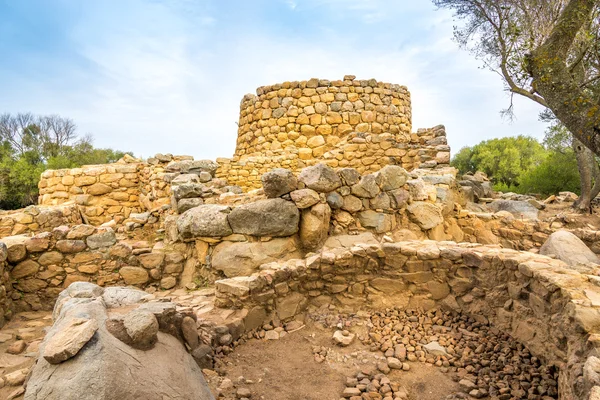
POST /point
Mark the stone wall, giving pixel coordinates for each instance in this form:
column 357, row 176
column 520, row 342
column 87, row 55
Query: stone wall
column 34, row 219
column 42, row 266
column 6, row 305
column 300, row 212
column 539, row 301
column 103, row 192
column 296, row 114
column 351, row 123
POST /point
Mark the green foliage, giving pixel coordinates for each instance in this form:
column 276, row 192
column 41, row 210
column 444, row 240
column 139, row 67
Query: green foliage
column 29, row 145
column 504, row 160
column 522, row 165
column 557, row 173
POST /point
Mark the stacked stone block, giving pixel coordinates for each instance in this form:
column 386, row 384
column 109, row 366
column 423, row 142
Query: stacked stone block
column 537, row 300
column 103, row 192
column 313, row 115
column 41, row 266
column 34, row 219
column 6, row 305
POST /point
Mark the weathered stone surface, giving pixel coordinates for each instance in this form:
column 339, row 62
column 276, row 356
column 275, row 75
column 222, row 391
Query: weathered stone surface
column 320, row 178
column 290, row 305
column 151, row 260
column 278, row 181
column 314, row 226
column 16, row 250
column 335, row 200
column 205, row 220
column 381, row 222
column 71, row 337
column 519, row 209
column 134, row 275
column 305, row 198
column 271, row 217
column 343, row 338
column 104, row 238
column 426, row 215
column 190, row 332
column 39, row 242
column 70, row 246
column 243, row 258
column 349, row 176
column 107, row 368
column 80, row 232
column 186, row 204
column 367, row 187
column 98, row 189
column 142, row 328
column 391, row 177
column 185, row 178
column 25, row 268
column 188, row 190
column 568, row 248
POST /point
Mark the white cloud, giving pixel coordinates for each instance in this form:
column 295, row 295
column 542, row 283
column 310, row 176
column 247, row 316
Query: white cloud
column 168, row 81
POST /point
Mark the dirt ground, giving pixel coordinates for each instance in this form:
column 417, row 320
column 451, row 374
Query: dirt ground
column 29, row 327
column 285, row 369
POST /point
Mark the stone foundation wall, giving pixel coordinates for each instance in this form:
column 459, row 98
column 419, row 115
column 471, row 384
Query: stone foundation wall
column 365, row 152
column 237, row 238
column 539, row 301
column 34, row 219
column 6, row 305
column 40, row 267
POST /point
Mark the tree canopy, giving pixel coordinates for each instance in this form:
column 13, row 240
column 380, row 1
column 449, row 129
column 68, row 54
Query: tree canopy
column 521, row 164
column 30, row 144
column 545, row 50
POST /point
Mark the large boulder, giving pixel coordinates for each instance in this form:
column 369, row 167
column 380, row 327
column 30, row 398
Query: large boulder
column 519, row 209
column 320, row 178
column 205, row 220
column 426, row 215
column 104, row 366
column 568, row 248
column 244, row 258
column 314, row 226
column 270, row 217
column 278, row 182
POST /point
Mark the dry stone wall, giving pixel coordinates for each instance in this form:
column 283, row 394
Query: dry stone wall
column 363, row 124
column 38, row 268
column 103, row 192
column 6, row 305
column 313, row 115
column 34, row 219
column 542, row 303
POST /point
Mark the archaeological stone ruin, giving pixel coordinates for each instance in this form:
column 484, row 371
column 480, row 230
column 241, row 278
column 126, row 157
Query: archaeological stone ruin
column 143, row 279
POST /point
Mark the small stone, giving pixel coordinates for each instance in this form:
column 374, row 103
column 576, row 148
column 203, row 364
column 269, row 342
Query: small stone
column 243, row 393
column 17, row 347
column 343, row 340
column 271, row 335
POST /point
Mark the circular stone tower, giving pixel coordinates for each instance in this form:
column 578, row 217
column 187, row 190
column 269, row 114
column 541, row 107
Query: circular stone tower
column 310, row 118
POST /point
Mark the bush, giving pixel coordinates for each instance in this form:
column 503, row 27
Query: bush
column 557, row 173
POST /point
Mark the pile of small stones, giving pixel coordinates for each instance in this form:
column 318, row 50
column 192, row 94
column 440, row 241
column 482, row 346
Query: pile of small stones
column 484, row 361
column 369, row 384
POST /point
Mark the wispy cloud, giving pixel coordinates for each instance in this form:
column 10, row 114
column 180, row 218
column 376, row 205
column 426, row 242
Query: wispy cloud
column 158, row 76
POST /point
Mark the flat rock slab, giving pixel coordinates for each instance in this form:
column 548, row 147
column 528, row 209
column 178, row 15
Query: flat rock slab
column 9, row 360
column 69, row 340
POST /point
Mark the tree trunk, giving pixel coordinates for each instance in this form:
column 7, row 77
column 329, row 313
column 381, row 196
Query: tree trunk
column 589, row 175
column 552, row 79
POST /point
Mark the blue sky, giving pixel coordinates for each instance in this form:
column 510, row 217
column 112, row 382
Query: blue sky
column 168, row 75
